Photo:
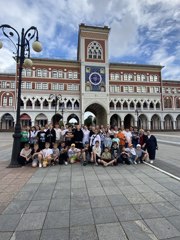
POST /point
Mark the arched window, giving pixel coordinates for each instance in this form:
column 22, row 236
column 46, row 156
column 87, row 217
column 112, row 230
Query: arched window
column 54, row 74
column 178, row 102
column 94, row 51
column 138, row 77
column 4, row 101
column 44, row 73
column 130, row 77
column 167, row 102
column 38, row 73
column 143, row 78
column 28, row 73
column 111, row 105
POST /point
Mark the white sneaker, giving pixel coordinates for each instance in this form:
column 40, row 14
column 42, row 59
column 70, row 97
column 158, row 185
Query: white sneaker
column 66, row 163
column 135, row 162
column 151, row 161
column 40, row 165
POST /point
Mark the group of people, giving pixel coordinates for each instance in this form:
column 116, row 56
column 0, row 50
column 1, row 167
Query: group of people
column 99, row 145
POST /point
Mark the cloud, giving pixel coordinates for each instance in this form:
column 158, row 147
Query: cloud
column 141, row 31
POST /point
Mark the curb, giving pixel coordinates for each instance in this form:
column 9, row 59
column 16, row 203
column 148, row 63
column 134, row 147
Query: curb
column 160, row 170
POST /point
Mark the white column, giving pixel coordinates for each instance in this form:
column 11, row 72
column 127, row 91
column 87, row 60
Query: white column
column 162, row 125
column 174, row 125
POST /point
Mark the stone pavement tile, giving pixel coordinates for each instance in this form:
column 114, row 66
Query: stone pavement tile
column 9, row 222
column 128, row 189
column 169, row 196
column 78, row 203
column 117, row 200
column 62, row 185
column 122, row 183
column 78, row 184
column 176, row 204
column 171, row 185
column 175, row 221
column 43, row 194
column 38, row 206
column 30, row 187
column 110, row 231
column 107, row 183
column 34, row 179
column 104, row 215
column 24, row 195
column 5, row 235
column 99, row 201
column 138, row 230
column 49, row 180
column 135, row 198
column 16, row 207
column 58, row 219
column 59, row 204
column 77, row 178
column 26, row 235
column 176, row 191
column 55, row 234
column 174, row 238
column 91, row 177
column 162, row 228
column 3, row 205
column 102, row 177
column 157, row 187
column 99, row 191
column 111, row 190
column 31, row 221
column 93, row 183
column 6, row 197
column 117, row 176
column 61, row 193
column 81, row 217
column 143, row 188
column 87, row 232
column 13, row 188
column 79, row 192
column 126, row 213
column 166, row 209
column 153, row 197
column 147, row 210
column 46, row 186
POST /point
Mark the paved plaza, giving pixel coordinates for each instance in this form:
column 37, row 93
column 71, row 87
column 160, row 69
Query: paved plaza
column 77, row 202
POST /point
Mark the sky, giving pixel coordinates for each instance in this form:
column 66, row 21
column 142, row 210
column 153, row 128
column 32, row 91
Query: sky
column 142, row 31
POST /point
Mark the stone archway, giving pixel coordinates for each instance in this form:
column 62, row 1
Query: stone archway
column 7, row 121
column 129, row 121
column 115, row 120
column 99, row 112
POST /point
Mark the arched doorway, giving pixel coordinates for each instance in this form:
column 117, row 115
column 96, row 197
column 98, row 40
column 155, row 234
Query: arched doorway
column 115, row 120
column 129, row 121
column 41, row 120
column 56, row 118
column 25, row 120
column 168, row 122
column 73, row 119
column 142, row 122
column 7, row 121
column 178, row 122
column 155, row 122
column 99, row 112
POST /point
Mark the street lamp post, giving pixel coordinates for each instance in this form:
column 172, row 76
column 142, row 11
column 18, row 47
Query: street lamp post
column 56, row 98
column 22, row 57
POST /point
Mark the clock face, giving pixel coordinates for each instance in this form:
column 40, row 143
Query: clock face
column 95, row 78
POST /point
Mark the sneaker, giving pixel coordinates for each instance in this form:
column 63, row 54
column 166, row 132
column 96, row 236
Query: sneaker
column 96, row 164
column 40, row 165
column 151, row 161
column 66, row 163
column 135, row 162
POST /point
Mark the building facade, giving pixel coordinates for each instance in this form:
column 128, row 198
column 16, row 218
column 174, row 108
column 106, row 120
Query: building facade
column 116, row 93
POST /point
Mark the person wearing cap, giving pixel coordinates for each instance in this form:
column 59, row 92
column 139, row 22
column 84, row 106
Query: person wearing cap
column 141, row 155
column 73, row 153
column 132, row 153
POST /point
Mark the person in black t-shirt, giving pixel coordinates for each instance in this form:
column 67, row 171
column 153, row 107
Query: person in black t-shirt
column 41, row 138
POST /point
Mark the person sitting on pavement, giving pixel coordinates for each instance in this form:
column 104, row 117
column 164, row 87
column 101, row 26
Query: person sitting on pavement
column 55, row 154
column 124, row 156
column 87, row 153
column 132, row 153
column 141, row 155
column 116, row 139
column 34, row 153
column 63, row 156
column 25, row 155
column 106, row 158
column 74, row 154
column 115, row 152
column 45, row 156
column 96, row 153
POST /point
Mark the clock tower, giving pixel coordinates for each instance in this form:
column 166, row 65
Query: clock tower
column 93, row 57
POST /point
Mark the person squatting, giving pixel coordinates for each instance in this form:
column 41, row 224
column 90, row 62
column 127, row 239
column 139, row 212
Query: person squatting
column 98, row 145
